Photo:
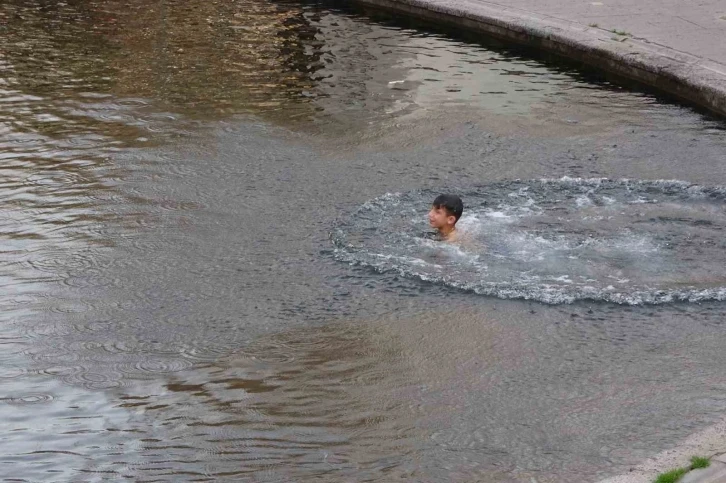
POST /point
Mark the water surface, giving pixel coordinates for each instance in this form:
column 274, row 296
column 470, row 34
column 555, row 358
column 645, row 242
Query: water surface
column 555, row 240
column 173, row 309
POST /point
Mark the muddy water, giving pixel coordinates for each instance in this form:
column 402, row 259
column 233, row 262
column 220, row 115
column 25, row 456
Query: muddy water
column 172, row 307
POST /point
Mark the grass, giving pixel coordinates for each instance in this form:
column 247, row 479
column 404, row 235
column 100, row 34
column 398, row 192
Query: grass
column 593, row 25
column 620, row 32
column 700, row 462
column 673, row 476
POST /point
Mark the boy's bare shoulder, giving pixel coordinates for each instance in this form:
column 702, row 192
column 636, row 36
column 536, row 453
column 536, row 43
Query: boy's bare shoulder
column 454, row 236
column 466, row 241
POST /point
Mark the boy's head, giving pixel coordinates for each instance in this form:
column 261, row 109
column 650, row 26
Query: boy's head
column 445, row 212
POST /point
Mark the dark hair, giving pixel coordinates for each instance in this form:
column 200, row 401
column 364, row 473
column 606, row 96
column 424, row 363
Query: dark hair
column 451, row 203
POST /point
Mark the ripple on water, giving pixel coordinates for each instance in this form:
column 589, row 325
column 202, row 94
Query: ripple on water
column 93, row 379
column 155, row 365
column 555, row 240
column 10, row 372
column 26, row 399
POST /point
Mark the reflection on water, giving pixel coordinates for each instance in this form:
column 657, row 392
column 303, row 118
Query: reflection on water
column 302, row 403
column 170, row 173
column 556, row 397
column 296, row 64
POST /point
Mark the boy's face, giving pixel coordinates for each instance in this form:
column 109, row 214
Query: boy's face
column 439, row 218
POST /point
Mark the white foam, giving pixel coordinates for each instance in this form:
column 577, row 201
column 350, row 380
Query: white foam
column 583, row 200
column 556, row 241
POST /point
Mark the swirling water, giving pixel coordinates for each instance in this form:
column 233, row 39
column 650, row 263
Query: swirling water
column 556, row 241
column 172, row 306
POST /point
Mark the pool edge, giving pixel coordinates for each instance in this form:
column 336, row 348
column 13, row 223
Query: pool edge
column 683, row 75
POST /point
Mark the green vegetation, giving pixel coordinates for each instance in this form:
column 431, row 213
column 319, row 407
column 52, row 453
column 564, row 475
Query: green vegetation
column 620, row 32
column 699, row 462
column 594, row 25
column 673, row 476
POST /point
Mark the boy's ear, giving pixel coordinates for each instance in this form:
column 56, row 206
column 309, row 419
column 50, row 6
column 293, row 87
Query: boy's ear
column 451, row 219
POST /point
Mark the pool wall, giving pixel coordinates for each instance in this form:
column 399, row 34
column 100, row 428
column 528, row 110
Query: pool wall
column 684, row 75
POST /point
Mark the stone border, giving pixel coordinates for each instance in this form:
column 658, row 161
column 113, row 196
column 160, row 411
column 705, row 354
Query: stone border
column 708, row 443
column 680, row 74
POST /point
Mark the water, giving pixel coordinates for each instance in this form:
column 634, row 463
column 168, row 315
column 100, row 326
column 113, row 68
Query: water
column 555, row 241
column 173, row 308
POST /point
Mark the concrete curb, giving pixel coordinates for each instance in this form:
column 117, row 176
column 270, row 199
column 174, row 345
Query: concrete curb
column 708, row 443
column 681, row 74
column 716, row 473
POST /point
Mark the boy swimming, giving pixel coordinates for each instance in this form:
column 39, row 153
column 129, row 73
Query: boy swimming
column 445, row 212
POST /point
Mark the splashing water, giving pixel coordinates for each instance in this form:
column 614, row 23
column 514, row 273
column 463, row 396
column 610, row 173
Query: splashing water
column 555, row 240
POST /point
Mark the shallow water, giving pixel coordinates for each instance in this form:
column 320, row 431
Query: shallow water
column 173, row 308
